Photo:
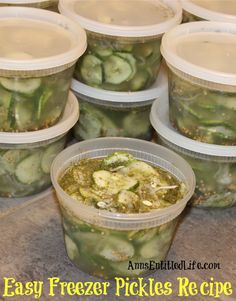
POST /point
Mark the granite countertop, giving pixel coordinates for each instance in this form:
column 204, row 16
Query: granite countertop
column 32, row 248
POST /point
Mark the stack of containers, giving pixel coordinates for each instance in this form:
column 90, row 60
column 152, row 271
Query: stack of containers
column 44, row 4
column 122, row 58
column 38, row 56
column 217, row 10
column 200, row 123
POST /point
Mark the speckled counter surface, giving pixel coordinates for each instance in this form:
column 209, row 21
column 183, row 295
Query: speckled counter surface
column 32, row 248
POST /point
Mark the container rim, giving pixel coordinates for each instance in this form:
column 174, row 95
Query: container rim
column 67, row 121
column 66, row 7
column 159, row 118
column 155, row 91
column 78, row 47
column 103, row 217
column 205, row 13
column 169, row 52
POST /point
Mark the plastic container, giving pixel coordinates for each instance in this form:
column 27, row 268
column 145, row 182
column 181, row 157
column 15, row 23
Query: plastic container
column 25, row 158
column 117, row 114
column 202, row 80
column 94, row 237
column 123, row 40
column 46, row 4
column 214, row 165
column 216, row 10
column 37, row 60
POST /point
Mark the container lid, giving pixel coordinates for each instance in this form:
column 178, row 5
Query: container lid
column 125, row 18
column 159, row 118
column 35, row 39
column 212, row 10
column 67, row 121
column 158, row 90
column 142, row 150
column 204, row 50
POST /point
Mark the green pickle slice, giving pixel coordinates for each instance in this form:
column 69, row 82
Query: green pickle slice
column 118, row 183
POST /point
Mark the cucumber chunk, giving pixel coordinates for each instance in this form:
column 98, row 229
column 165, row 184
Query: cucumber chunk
column 117, row 159
column 43, row 99
column 71, row 248
column 5, row 98
column 29, row 170
column 136, row 124
column 49, row 155
column 24, row 86
column 139, row 80
column 155, row 248
column 116, row 70
column 142, row 236
column 116, row 249
column 11, row 157
column 24, row 114
column 91, row 70
column 113, row 183
column 131, row 60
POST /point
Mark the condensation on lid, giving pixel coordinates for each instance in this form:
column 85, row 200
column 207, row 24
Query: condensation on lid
column 205, row 50
column 127, row 13
column 130, row 18
column 213, row 10
column 36, row 39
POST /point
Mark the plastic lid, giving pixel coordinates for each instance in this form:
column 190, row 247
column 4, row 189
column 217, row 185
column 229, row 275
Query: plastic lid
column 125, row 18
column 143, row 150
column 158, row 90
column 205, row 50
column 68, row 120
column 212, row 10
column 159, row 118
column 36, row 39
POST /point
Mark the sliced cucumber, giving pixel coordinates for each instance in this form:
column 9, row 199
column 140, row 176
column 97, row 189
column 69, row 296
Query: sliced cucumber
column 141, row 168
column 116, row 249
column 49, row 155
column 136, row 124
column 24, row 86
column 139, row 80
column 5, row 98
column 131, row 60
column 113, row 183
column 91, row 70
column 43, row 99
column 89, row 126
column 11, row 158
column 89, row 193
column 142, row 236
column 155, row 248
column 117, row 159
column 71, row 248
column 24, row 114
column 127, row 198
column 29, row 170
column 103, row 52
column 116, row 70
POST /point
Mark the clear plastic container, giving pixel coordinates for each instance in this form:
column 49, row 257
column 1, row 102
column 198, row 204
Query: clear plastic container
column 100, row 242
column 124, row 39
column 117, row 114
column 25, row 158
column 45, row 4
column 37, row 61
column 213, row 165
column 211, row 10
column 202, row 80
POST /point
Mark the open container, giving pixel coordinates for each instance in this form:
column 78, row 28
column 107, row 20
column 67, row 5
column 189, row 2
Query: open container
column 37, row 60
column 124, row 39
column 202, row 80
column 100, row 242
column 213, row 10
column 46, row 4
column 117, row 114
column 213, row 165
column 25, row 158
